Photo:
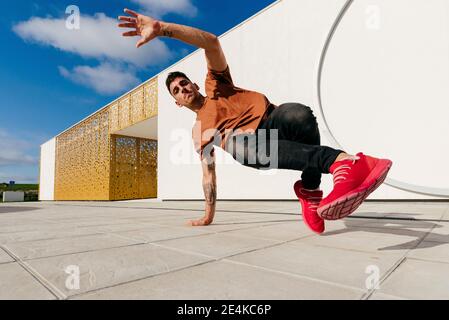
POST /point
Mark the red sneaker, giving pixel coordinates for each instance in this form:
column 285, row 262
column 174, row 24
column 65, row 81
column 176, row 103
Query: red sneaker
column 355, row 178
column 310, row 201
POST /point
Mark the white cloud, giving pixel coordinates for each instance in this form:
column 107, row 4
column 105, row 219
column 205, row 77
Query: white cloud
column 14, row 150
column 98, row 37
column 105, row 79
column 159, row 8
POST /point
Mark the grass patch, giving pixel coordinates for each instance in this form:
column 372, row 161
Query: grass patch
column 20, row 187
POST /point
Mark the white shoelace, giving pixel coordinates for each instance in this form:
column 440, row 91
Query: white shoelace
column 341, row 172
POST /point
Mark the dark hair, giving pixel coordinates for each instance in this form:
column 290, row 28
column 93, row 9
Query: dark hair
column 172, row 76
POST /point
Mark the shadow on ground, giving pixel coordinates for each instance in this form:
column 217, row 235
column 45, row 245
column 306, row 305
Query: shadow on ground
column 16, row 209
column 400, row 228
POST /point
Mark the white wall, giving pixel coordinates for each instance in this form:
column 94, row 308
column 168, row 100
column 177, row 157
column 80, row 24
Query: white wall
column 47, row 171
column 385, row 89
column 13, row 196
column 376, row 88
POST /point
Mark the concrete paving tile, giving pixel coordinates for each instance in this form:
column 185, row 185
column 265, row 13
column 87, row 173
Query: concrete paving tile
column 292, row 211
column 445, row 216
column 17, row 284
column 368, row 214
column 382, row 296
column 335, row 262
column 440, row 233
column 127, row 205
column 4, row 229
column 19, row 208
column 110, row 267
column 433, row 251
column 369, row 239
column 108, row 213
column 175, row 222
column 92, row 223
column 169, row 217
column 4, row 257
column 121, row 227
column 16, row 219
column 408, row 210
column 416, row 229
column 224, row 206
column 432, row 215
column 404, row 205
column 258, row 206
column 160, row 213
column 262, row 206
column 221, row 223
column 217, row 245
column 389, row 223
column 158, row 233
column 221, row 280
column 345, row 267
column 91, row 218
column 254, row 218
column 414, row 279
column 346, row 224
column 48, row 248
column 282, row 231
column 66, row 229
column 230, row 226
column 61, row 232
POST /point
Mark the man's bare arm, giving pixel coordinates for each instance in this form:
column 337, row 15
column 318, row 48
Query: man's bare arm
column 215, row 57
column 210, row 192
column 149, row 28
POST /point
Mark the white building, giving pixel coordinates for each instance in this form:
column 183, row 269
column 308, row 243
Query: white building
column 376, row 74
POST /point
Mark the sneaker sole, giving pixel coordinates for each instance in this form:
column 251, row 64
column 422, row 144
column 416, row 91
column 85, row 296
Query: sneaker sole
column 303, row 217
column 347, row 204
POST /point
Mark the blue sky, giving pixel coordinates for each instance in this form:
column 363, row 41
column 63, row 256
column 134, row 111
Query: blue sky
column 51, row 78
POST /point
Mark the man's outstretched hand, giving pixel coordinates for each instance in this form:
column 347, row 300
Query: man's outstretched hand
column 145, row 27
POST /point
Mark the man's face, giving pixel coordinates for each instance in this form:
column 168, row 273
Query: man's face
column 184, row 91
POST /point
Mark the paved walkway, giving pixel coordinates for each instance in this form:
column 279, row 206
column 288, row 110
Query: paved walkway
column 255, row 250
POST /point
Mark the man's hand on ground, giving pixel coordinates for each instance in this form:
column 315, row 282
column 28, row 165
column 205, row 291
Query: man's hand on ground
column 200, row 223
column 145, row 27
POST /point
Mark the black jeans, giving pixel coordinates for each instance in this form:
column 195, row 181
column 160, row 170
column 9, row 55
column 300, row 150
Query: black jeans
column 298, row 145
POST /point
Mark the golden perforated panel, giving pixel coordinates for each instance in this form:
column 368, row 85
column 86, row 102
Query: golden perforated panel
column 134, row 107
column 114, row 117
column 150, row 98
column 83, row 160
column 137, row 105
column 124, row 112
column 148, row 168
column 133, row 168
column 93, row 164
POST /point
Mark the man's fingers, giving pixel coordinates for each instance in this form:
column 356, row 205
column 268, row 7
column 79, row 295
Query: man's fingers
column 141, row 42
column 131, row 12
column 130, row 34
column 127, row 25
column 199, row 223
column 193, row 223
column 127, row 19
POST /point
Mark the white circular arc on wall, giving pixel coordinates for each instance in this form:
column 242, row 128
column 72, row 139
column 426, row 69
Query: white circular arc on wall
column 382, row 97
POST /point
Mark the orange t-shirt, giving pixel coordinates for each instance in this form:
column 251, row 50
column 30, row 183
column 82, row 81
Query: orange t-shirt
column 226, row 109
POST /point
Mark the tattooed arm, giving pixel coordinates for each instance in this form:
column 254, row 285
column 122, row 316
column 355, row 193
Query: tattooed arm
column 149, row 28
column 210, row 192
